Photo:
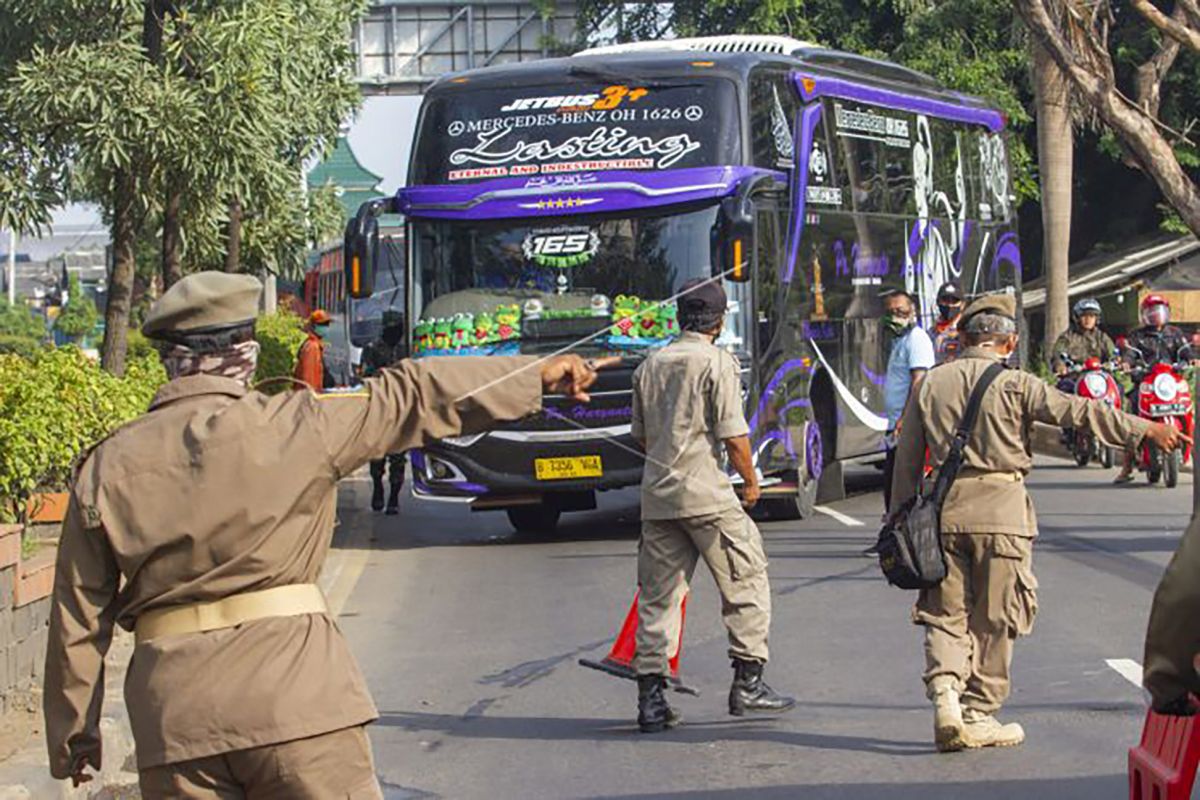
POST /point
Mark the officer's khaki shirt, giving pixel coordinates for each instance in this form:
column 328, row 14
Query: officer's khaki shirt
column 216, row 491
column 687, row 399
column 989, row 495
column 1173, row 636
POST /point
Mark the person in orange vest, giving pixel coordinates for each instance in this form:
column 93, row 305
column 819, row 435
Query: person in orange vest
column 310, row 360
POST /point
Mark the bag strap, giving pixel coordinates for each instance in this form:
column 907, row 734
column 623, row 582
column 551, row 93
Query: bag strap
column 948, row 472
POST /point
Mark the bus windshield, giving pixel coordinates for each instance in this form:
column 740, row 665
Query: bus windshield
column 534, row 285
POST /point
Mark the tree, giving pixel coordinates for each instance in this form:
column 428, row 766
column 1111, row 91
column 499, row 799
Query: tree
column 1079, row 44
column 179, row 110
column 79, row 316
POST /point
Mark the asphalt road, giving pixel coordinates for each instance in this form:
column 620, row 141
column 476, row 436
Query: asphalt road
column 469, row 639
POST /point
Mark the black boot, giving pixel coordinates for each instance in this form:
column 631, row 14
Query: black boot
column 377, row 496
column 393, row 503
column 654, row 713
column 750, row 693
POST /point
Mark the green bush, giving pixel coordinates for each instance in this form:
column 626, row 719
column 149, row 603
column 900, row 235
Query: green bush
column 18, row 321
column 80, row 315
column 54, row 407
column 280, row 336
column 19, row 346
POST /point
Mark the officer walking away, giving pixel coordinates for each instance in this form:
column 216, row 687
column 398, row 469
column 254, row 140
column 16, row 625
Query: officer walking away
column 989, row 595
column 202, row 527
column 381, row 353
column 1173, row 637
column 1157, row 341
column 911, row 357
column 687, row 407
column 945, row 330
column 310, row 358
column 1083, row 340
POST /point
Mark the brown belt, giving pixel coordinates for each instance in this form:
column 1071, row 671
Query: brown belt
column 229, row 612
column 984, row 475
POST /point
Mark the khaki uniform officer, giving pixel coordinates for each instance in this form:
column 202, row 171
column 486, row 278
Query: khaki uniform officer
column 202, row 527
column 1173, row 639
column 988, row 597
column 687, row 406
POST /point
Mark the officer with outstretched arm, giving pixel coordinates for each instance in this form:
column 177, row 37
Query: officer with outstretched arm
column 202, row 527
column 989, row 595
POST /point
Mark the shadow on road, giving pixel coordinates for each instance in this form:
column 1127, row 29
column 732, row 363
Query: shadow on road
column 603, row 730
column 1085, row 788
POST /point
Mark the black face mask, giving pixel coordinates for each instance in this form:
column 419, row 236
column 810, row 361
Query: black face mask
column 948, row 312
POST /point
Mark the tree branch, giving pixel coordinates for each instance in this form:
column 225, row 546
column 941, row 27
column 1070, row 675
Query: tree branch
column 1168, row 25
column 1149, row 76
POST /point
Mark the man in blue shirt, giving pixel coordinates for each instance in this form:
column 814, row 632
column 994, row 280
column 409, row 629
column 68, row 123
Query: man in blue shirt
column 912, row 355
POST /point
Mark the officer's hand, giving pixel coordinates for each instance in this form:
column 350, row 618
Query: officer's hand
column 571, row 375
column 750, row 494
column 1163, row 435
column 78, row 771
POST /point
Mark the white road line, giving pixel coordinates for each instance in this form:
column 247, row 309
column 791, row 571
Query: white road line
column 846, row 520
column 1127, row 668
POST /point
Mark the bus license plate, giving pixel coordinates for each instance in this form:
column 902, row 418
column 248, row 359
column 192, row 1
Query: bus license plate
column 553, row 469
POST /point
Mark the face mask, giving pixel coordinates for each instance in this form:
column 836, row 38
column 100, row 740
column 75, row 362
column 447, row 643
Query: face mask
column 896, row 325
column 946, row 311
column 321, row 329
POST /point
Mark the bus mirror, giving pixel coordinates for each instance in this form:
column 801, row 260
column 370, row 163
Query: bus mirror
column 737, row 237
column 360, row 251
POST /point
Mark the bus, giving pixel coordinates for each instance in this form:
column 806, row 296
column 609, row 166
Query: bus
column 357, row 321
column 565, row 201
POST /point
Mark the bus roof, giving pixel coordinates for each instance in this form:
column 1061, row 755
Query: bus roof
column 650, row 60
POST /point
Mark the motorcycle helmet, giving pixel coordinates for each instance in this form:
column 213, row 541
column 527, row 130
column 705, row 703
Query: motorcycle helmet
column 1155, row 310
column 1087, row 305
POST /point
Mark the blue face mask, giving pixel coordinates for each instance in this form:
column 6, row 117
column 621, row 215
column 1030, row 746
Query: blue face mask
column 321, row 329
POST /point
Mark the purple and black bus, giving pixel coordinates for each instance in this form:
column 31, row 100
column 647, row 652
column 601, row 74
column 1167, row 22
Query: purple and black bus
column 565, row 201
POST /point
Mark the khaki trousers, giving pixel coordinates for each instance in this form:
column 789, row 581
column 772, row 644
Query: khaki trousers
column 731, row 545
column 987, row 599
column 333, row 765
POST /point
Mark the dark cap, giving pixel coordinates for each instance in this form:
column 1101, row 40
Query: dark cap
column 992, row 313
column 949, row 291
column 204, row 302
column 702, row 296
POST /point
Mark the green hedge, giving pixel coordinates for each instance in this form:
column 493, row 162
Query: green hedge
column 55, row 403
column 52, row 408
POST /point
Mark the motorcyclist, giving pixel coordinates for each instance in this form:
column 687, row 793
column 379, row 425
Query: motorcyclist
column 945, row 330
column 1083, row 340
column 1157, row 341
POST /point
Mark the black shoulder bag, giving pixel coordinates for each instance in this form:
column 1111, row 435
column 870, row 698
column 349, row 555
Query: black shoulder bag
column 910, row 544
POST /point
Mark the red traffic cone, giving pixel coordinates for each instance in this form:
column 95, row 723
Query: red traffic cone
column 619, row 660
column 1163, row 766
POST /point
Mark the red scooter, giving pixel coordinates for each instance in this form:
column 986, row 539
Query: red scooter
column 1164, row 396
column 1094, row 380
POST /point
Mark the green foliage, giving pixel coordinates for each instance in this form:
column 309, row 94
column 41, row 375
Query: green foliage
column 280, row 336
column 23, row 346
column 80, row 315
column 53, row 408
column 20, row 322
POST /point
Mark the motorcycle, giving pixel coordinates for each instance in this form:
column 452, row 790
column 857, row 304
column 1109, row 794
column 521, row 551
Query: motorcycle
column 1093, row 380
column 1164, row 396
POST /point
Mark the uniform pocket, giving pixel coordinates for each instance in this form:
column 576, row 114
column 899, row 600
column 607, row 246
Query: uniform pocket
column 742, row 544
column 1022, row 605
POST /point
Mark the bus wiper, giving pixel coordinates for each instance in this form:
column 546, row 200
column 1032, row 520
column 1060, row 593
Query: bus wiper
column 612, row 76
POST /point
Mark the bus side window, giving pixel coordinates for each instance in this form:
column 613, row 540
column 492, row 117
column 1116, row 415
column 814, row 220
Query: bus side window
column 768, row 259
column 773, row 106
column 863, row 174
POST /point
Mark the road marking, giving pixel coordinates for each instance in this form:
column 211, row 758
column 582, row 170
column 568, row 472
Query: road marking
column 1127, row 668
column 846, row 520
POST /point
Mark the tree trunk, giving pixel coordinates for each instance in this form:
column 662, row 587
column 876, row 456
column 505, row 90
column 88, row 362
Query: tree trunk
column 1056, row 151
column 120, row 281
column 234, row 244
column 172, row 240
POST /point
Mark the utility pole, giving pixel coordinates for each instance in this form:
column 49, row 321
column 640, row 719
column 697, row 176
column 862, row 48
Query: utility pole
column 12, row 266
